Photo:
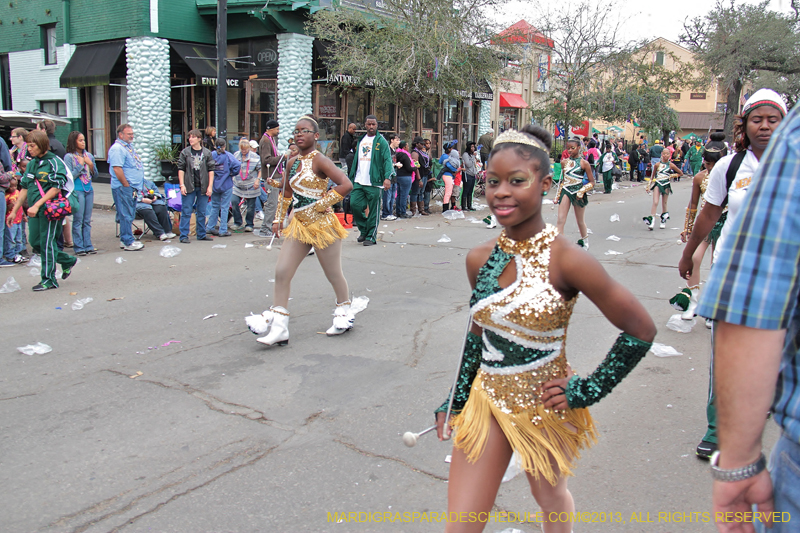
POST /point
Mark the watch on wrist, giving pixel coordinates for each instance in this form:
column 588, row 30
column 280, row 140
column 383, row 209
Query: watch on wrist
column 736, row 474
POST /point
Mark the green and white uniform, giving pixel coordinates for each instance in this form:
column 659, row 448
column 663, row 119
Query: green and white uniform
column 662, row 178
column 572, row 182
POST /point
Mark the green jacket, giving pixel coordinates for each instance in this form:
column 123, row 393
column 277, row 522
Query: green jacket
column 381, row 166
column 695, row 155
column 49, row 170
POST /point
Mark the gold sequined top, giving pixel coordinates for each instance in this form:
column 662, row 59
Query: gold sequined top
column 525, row 324
column 305, row 182
column 572, row 172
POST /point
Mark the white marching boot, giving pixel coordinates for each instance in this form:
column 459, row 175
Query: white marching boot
column 343, row 318
column 689, row 313
column 279, row 327
column 664, row 218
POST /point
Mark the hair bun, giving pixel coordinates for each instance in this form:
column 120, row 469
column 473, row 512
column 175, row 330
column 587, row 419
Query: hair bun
column 539, row 133
column 717, row 136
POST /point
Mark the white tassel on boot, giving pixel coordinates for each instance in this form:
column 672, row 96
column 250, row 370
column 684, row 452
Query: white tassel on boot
column 689, row 313
column 278, row 327
column 259, row 324
column 345, row 314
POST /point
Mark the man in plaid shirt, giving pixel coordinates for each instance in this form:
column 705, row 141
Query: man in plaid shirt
column 752, row 295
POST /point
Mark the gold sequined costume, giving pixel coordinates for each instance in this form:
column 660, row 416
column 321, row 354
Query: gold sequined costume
column 309, row 224
column 523, row 347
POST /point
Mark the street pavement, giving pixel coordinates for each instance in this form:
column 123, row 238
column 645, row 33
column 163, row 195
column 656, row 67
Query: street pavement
column 150, row 416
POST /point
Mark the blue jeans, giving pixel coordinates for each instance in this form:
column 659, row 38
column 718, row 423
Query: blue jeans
column 237, row 214
column 260, row 199
column 188, row 203
column 126, row 211
column 388, row 200
column 418, row 191
column 784, row 469
column 220, row 203
column 6, row 233
column 82, row 222
column 13, row 241
column 403, row 186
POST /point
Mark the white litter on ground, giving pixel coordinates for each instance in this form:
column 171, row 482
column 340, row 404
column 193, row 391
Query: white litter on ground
column 613, row 238
column 662, row 350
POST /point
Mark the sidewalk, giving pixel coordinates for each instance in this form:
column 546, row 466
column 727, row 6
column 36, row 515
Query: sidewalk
column 102, row 196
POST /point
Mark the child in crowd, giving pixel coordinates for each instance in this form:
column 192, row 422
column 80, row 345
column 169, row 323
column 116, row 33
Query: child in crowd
column 12, row 244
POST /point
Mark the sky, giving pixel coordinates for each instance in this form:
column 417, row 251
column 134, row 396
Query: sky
column 644, row 19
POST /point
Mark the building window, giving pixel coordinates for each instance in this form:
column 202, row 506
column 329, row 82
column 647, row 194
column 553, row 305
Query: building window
column 263, row 106
column 357, row 108
column 660, row 59
column 49, row 44
column 508, row 118
column 698, row 96
column 329, row 118
column 722, row 107
column 54, row 107
column 674, row 96
column 385, row 113
column 95, row 108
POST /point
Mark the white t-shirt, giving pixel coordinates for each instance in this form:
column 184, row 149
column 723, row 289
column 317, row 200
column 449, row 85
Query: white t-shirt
column 364, row 155
column 715, row 193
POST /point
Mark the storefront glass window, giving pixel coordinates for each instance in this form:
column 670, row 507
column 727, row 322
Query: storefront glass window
column 117, row 106
column 357, row 107
column 329, row 117
column 508, row 118
column 263, row 105
column 451, row 111
column 385, row 112
column 412, row 116
column 178, row 103
column 97, row 132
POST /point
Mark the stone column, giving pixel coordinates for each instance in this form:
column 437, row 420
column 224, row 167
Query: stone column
column 485, row 117
column 148, row 98
column 294, row 82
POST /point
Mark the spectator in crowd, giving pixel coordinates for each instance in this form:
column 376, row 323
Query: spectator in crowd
column 49, row 127
column 46, row 175
column 487, row 143
column 418, row 187
column 226, row 168
column 405, row 176
column 271, row 160
column 347, row 146
column 469, row 160
column 247, row 185
column 127, row 176
column 390, row 193
column 210, row 138
column 81, row 163
column 19, row 149
column 196, row 176
column 12, row 233
column 152, row 207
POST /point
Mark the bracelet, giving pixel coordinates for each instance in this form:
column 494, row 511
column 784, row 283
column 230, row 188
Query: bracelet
column 328, row 199
column 583, row 190
column 736, row 474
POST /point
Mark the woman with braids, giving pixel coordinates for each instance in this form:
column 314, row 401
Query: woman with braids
column 572, row 187
column 686, row 300
column 660, row 186
column 312, row 225
column 515, row 391
column 728, row 183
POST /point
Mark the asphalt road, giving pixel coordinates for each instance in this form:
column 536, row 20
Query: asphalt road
column 147, row 417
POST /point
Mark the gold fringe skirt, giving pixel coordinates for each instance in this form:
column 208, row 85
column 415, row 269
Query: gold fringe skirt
column 317, row 229
column 533, row 431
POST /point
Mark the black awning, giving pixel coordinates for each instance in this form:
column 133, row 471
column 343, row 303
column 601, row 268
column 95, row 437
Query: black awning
column 201, row 58
column 484, row 92
column 91, row 64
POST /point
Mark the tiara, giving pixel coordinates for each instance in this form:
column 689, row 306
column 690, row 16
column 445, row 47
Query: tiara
column 516, row 137
column 306, row 117
column 713, row 150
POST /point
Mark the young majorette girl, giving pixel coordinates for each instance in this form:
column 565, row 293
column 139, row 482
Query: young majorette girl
column 515, row 390
column 312, row 225
column 572, row 185
column 660, row 185
column 686, row 300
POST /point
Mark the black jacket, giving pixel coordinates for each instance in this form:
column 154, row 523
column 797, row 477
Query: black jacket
column 347, row 145
column 56, row 147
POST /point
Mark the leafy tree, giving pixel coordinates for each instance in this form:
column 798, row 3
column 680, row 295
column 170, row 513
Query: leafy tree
column 413, row 53
column 739, row 43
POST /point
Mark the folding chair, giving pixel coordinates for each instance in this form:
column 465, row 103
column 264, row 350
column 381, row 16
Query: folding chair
column 480, row 184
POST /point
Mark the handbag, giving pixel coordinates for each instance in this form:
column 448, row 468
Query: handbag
column 56, row 208
column 616, row 172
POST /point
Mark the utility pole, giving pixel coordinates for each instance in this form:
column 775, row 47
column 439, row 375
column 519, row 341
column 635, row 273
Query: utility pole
column 222, row 74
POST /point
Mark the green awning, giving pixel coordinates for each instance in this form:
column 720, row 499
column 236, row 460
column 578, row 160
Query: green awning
column 91, row 64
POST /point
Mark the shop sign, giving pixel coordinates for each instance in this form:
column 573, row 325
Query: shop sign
column 232, row 83
column 327, row 111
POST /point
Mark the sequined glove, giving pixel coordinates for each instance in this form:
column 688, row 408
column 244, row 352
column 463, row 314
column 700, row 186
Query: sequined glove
column 274, row 183
column 283, row 208
column 328, row 199
column 473, row 351
column 584, row 189
column 688, row 225
column 623, row 356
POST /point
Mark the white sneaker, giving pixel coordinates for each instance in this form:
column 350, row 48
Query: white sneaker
column 18, row 259
column 171, row 235
column 390, row 217
column 135, row 245
column 260, row 215
column 163, row 237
